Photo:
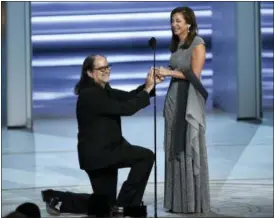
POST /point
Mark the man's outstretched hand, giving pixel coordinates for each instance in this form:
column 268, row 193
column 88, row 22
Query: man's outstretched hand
column 150, row 80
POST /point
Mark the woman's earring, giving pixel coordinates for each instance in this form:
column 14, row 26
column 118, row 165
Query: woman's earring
column 188, row 26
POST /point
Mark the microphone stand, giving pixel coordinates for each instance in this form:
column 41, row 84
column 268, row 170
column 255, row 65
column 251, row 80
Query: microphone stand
column 155, row 142
column 152, row 43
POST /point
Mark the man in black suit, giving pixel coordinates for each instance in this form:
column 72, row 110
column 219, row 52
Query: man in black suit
column 102, row 149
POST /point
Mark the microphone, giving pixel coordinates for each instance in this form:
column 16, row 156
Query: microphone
column 152, row 42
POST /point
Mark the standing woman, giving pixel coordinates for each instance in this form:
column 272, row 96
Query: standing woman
column 186, row 167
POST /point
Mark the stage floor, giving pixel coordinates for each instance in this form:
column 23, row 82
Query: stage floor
column 240, row 163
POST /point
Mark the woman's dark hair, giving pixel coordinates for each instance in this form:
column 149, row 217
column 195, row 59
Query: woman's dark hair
column 190, row 19
column 88, row 65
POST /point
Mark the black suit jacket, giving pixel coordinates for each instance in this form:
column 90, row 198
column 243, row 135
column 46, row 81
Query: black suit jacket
column 99, row 112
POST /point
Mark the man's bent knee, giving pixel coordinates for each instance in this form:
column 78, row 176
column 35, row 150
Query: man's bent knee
column 141, row 153
column 150, row 156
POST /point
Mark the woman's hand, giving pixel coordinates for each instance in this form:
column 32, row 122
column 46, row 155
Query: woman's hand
column 158, row 75
column 162, row 72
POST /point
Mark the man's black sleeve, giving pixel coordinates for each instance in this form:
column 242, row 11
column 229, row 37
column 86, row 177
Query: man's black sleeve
column 125, row 95
column 100, row 103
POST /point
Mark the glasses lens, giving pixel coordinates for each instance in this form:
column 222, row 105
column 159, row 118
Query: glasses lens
column 104, row 68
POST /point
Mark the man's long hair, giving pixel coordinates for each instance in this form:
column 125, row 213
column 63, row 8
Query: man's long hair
column 88, row 65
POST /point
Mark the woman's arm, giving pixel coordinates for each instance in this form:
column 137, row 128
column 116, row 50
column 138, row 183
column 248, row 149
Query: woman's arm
column 198, row 59
column 169, row 72
column 174, row 73
column 197, row 63
column 177, row 74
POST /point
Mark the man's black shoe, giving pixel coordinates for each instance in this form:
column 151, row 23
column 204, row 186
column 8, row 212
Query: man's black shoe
column 117, row 211
column 48, row 194
column 51, row 199
column 52, row 207
column 135, row 211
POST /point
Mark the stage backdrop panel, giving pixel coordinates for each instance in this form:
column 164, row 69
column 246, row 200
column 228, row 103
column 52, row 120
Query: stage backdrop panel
column 64, row 33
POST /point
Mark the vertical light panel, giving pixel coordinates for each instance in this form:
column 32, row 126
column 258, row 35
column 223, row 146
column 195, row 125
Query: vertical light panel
column 248, row 60
column 19, row 89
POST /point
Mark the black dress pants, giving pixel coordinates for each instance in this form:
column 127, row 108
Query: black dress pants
column 104, row 181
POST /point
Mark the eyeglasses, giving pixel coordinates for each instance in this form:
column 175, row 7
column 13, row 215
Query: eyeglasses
column 104, row 68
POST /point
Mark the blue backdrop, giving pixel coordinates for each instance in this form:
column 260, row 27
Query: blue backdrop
column 267, row 41
column 64, row 33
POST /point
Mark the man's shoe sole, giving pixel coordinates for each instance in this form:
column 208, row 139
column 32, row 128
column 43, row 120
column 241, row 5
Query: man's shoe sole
column 52, row 211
